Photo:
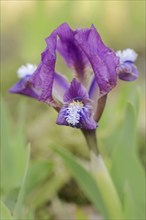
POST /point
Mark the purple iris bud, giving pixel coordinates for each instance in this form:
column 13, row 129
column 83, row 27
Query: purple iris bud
column 127, row 70
column 80, row 102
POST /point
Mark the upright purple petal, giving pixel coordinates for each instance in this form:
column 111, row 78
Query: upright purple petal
column 44, row 75
column 103, row 60
column 94, row 93
column 75, row 91
column 70, row 51
column 60, row 86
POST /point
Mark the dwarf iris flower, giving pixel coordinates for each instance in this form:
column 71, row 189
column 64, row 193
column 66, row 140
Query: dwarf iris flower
column 94, row 68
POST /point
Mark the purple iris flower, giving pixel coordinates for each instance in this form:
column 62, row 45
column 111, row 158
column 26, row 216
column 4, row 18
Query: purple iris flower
column 80, row 102
column 127, row 70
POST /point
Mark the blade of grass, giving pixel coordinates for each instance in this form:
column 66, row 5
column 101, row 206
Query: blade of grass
column 85, row 180
column 19, row 204
column 5, row 213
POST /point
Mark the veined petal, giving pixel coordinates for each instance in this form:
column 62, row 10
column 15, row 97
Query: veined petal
column 127, row 72
column 94, row 93
column 61, row 119
column 25, row 87
column 60, row 86
column 70, row 51
column 98, row 100
column 44, row 75
column 75, row 91
column 87, row 122
column 77, row 114
column 77, row 110
column 103, row 60
column 40, row 83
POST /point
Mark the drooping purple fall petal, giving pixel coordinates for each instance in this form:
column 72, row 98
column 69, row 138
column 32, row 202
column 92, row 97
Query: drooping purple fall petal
column 25, row 87
column 77, row 110
column 126, row 70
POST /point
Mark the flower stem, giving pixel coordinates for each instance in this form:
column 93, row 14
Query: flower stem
column 103, row 179
column 90, row 136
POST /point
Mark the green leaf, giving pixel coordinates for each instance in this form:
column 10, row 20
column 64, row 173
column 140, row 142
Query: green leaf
column 106, row 186
column 19, row 205
column 38, row 172
column 126, row 169
column 85, row 180
column 49, row 188
column 5, row 213
column 129, row 206
column 12, row 145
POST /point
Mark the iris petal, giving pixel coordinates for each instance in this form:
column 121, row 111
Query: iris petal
column 87, row 122
column 127, row 71
column 61, row 119
column 103, row 60
column 94, row 93
column 25, row 87
column 60, row 86
column 70, row 51
column 77, row 110
column 75, row 91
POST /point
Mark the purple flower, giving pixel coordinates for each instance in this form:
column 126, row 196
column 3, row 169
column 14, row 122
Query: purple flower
column 80, row 102
column 127, row 70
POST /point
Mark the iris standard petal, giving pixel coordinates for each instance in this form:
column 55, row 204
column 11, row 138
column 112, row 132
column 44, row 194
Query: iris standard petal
column 69, row 50
column 98, row 100
column 76, row 91
column 60, row 86
column 103, row 60
column 94, row 93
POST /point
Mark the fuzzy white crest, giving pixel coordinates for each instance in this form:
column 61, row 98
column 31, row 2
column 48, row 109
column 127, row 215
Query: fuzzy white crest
column 73, row 111
column 27, row 69
column 127, row 55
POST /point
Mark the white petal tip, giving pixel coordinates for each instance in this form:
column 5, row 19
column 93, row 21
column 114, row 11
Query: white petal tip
column 27, row 69
column 127, row 55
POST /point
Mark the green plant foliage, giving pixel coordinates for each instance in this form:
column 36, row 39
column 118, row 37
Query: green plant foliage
column 84, row 179
column 37, row 173
column 12, row 145
column 38, row 180
column 20, row 200
column 126, row 169
column 5, row 213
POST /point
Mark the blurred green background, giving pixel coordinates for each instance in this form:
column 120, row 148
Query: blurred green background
column 24, row 26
